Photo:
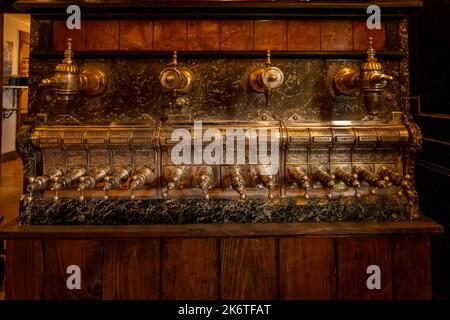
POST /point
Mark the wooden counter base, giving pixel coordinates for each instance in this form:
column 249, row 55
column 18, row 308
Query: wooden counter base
column 226, row 261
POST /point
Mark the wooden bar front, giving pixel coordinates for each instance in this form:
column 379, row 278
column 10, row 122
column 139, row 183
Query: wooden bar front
column 221, row 261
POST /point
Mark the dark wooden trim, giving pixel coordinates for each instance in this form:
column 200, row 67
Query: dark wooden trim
column 217, row 54
column 420, row 113
column 1, row 88
column 8, row 156
column 424, row 225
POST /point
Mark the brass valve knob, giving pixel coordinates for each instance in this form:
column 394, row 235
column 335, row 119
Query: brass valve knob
column 142, row 177
column 64, row 182
column 116, row 179
column 205, row 180
column 266, row 79
column 89, row 182
column 372, row 179
column 326, row 179
column 298, row 176
column 238, row 183
column 266, row 179
column 175, row 79
column 173, row 178
column 395, row 178
column 350, row 179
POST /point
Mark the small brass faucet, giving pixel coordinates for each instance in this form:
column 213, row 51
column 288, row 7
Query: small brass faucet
column 370, row 80
column 69, row 80
column 266, row 79
column 175, row 79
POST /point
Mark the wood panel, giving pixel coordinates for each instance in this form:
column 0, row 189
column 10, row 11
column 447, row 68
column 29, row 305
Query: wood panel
column 59, row 254
column 303, row 35
column 236, row 35
column 336, row 35
column 24, row 270
column 203, row 35
column 249, row 269
column 361, row 36
column 136, row 35
column 61, row 34
column 412, row 269
column 102, row 35
column 307, row 268
column 190, row 269
column 355, row 255
column 170, row 35
column 131, row 269
column 270, row 34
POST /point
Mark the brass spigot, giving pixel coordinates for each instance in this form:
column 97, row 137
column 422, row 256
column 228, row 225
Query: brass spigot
column 176, row 80
column 116, row 179
column 265, row 79
column 69, row 80
column 370, row 80
column 326, row 179
column 266, row 179
column 173, row 179
column 89, row 182
column 238, row 182
column 64, row 182
column 395, row 178
column 372, row 179
column 142, row 177
column 205, row 180
column 41, row 182
column 350, row 179
column 297, row 175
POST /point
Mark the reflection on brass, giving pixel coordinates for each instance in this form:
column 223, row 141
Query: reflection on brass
column 68, row 80
column 175, row 79
column 266, row 79
column 370, row 80
column 238, row 182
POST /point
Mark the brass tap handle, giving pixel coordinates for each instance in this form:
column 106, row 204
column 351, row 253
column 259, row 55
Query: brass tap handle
column 89, row 182
column 64, row 182
column 350, row 179
column 396, row 179
column 238, row 183
column 173, row 180
column 37, row 183
column 371, row 178
column 205, row 181
column 325, row 179
column 142, row 177
column 298, row 176
column 266, row 179
column 266, row 79
column 113, row 181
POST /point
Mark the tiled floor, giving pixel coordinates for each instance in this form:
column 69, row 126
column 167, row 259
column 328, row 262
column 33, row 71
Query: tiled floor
column 10, row 191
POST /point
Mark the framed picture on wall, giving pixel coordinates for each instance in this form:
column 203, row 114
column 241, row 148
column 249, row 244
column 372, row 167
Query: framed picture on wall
column 8, row 58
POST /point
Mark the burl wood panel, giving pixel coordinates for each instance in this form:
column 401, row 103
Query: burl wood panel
column 336, row 35
column 249, row 269
column 412, row 267
column 102, row 35
column 203, row 35
column 307, row 269
column 136, row 35
column 303, row 35
column 24, row 270
column 190, row 269
column 355, row 254
column 236, row 35
column 131, row 269
column 170, row 35
column 59, row 254
column 61, row 34
column 361, row 36
column 270, row 34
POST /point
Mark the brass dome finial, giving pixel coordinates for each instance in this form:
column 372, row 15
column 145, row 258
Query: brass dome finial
column 68, row 53
column 371, row 51
column 174, row 58
column 268, row 62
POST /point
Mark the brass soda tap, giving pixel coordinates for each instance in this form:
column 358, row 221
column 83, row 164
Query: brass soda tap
column 69, row 80
column 238, row 182
column 64, row 182
column 371, row 80
column 116, row 179
column 326, row 179
column 395, row 178
column 142, row 177
column 372, row 179
column 266, row 179
column 350, row 179
column 265, row 79
column 205, row 180
column 39, row 183
column 297, row 175
column 173, row 179
column 176, row 80
column 89, row 182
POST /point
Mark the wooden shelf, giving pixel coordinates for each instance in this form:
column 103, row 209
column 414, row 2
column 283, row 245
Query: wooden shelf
column 422, row 226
